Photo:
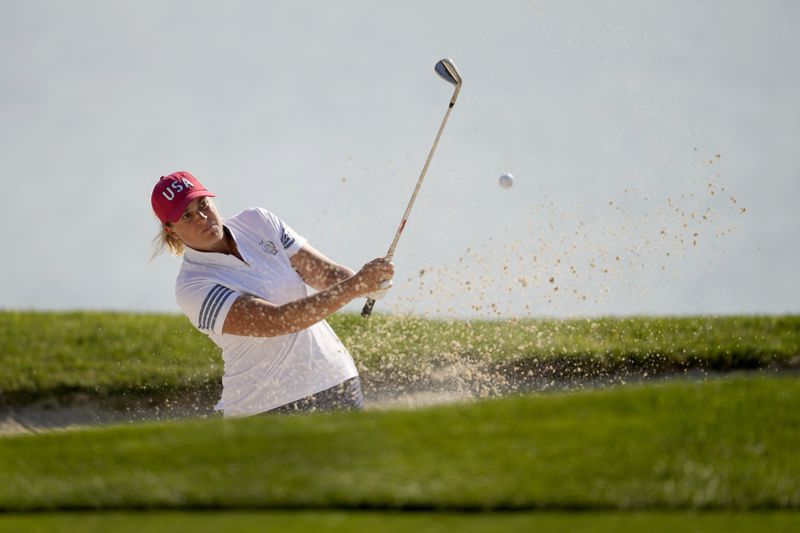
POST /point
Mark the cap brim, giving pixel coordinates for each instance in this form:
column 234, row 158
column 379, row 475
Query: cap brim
column 176, row 214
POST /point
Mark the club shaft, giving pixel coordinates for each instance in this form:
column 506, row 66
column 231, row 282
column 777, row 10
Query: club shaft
column 413, row 199
column 367, row 310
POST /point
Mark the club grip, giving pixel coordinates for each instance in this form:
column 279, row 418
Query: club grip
column 366, row 311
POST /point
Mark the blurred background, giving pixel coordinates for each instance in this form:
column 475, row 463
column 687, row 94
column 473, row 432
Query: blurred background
column 653, row 146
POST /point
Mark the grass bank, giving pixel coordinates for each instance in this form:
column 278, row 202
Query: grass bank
column 44, row 354
column 724, row 444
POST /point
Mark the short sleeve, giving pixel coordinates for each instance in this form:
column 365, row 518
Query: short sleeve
column 206, row 304
column 291, row 241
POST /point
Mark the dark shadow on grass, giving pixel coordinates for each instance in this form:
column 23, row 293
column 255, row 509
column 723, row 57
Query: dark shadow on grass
column 446, row 379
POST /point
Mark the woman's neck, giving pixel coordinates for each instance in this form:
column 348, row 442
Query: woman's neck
column 230, row 244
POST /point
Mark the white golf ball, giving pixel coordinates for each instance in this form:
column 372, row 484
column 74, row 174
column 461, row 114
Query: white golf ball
column 506, row 181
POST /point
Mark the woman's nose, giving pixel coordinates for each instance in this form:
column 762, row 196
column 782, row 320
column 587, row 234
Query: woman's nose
column 203, row 216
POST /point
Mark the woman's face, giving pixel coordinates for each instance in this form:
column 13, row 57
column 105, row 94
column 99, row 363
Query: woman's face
column 200, row 226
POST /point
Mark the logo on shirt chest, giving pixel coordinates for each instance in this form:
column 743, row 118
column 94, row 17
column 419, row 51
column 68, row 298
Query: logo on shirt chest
column 268, row 246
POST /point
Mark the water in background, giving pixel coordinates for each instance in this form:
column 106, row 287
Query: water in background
column 652, row 145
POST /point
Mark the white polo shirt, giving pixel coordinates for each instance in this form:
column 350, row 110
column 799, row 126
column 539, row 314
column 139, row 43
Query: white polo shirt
column 261, row 373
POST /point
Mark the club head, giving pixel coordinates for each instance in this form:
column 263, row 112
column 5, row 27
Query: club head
column 447, row 70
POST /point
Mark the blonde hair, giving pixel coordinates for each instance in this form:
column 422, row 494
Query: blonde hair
column 167, row 240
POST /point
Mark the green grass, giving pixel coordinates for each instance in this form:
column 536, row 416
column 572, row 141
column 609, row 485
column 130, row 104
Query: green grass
column 724, row 444
column 45, row 354
column 102, row 353
column 388, row 522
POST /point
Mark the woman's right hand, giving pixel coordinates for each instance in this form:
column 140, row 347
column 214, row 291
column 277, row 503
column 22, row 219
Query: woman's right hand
column 374, row 276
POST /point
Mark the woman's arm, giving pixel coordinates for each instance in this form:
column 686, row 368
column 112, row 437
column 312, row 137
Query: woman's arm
column 255, row 317
column 317, row 271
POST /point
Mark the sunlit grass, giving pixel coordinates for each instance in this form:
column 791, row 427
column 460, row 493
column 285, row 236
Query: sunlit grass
column 724, row 444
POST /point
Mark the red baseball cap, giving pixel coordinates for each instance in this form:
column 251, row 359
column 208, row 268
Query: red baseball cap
column 173, row 193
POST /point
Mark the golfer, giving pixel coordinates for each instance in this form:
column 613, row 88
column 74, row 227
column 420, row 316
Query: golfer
column 243, row 282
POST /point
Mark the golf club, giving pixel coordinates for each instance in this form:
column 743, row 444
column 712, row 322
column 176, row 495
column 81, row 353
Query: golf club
column 447, row 70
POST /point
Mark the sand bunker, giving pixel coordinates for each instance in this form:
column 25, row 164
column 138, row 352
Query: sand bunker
column 458, row 382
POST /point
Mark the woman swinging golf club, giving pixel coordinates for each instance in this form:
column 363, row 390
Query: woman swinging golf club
column 243, row 282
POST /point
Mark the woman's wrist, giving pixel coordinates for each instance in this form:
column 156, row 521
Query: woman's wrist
column 352, row 287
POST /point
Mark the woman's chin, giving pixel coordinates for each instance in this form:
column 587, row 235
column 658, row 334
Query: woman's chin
column 209, row 241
